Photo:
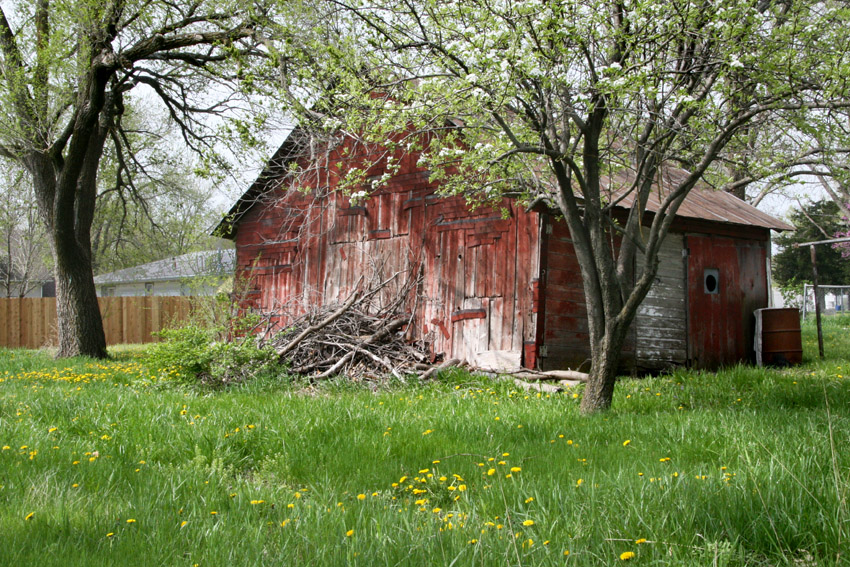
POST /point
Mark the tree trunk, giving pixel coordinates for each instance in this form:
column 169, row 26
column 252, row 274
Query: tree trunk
column 78, row 313
column 66, row 202
column 599, row 391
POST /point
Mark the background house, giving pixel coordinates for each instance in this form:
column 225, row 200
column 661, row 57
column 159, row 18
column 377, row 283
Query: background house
column 501, row 284
column 13, row 284
column 196, row 273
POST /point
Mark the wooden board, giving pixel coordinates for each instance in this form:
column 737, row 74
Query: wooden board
column 661, row 322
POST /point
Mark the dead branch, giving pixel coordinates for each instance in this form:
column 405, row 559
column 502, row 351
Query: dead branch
column 361, row 338
column 435, row 369
column 322, row 324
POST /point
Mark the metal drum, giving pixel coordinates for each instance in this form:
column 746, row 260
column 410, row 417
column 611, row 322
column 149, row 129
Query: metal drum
column 778, row 339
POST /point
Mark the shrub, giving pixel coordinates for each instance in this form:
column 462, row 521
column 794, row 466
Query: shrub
column 218, row 345
column 197, row 354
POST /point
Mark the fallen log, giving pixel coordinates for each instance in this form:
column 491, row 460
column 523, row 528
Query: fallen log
column 535, row 375
column 537, row 387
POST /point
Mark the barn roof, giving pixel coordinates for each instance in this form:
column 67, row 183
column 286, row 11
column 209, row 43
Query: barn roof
column 720, row 206
column 704, row 203
column 276, row 167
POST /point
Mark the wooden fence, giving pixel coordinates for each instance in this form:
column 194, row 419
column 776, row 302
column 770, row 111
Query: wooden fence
column 31, row 322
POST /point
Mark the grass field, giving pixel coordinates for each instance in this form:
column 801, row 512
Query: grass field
column 112, row 464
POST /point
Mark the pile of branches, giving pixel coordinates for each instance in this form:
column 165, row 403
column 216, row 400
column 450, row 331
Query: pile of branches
column 355, row 338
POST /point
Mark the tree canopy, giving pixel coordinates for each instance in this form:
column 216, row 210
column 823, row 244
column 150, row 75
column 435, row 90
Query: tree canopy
column 793, row 266
column 66, row 73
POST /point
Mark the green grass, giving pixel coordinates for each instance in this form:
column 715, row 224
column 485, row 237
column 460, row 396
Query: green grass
column 743, row 467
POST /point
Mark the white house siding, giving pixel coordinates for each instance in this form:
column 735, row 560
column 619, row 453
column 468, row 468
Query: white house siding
column 165, row 288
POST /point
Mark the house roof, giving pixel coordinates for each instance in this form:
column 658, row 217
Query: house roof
column 192, row 265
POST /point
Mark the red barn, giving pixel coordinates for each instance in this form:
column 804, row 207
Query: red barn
column 501, row 284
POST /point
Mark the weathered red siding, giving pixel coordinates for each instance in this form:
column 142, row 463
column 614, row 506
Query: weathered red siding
column 721, row 325
column 478, row 265
column 719, row 329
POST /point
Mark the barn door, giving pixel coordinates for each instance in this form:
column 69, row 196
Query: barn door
column 725, row 278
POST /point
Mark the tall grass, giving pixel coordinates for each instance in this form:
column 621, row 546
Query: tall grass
column 743, row 467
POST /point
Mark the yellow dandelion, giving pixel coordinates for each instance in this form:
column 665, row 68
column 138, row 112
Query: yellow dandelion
column 255, row 502
column 626, row 442
column 183, row 523
column 566, row 552
column 437, row 510
column 110, row 534
column 515, row 469
column 626, row 555
column 349, row 533
column 361, row 497
column 641, row 540
column 131, row 521
column 461, row 487
column 491, row 472
column 529, row 499
column 29, row 516
column 528, row 523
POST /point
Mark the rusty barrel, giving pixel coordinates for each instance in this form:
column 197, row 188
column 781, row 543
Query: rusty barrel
column 781, row 342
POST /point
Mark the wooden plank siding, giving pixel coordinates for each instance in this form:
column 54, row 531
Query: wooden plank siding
column 31, row 322
column 678, row 323
column 721, row 324
column 661, row 322
column 302, row 249
column 565, row 338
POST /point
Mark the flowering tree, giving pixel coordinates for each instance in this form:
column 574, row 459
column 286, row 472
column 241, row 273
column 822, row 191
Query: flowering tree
column 66, row 71
column 583, row 104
